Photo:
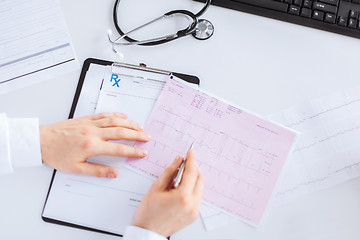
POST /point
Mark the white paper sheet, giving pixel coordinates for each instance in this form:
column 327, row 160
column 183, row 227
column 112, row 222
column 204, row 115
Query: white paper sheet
column 213, row 218
column 322, row 158
column 34, row 43
column 327, row 151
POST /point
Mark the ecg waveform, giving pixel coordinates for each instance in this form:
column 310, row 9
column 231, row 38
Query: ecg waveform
column 328, row 110
column 327, row 138
column 240, row 155
column 316, row 180
column 217, row 151
column 323, row 159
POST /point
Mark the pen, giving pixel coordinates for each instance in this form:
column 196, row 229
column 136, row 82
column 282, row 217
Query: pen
column 180, row 171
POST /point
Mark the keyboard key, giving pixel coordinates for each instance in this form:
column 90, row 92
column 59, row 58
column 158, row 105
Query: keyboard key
column 352, row 23
column 297, row 2
column 288, row 1
column 342, row 21
column 324, row 7
column 353, row 14
column 273, row 5
column 307, row 4
column 305, row 12
column 356, row 1
column 330, row 18
column 318, row 15
column 332, row 2
column 294, row 10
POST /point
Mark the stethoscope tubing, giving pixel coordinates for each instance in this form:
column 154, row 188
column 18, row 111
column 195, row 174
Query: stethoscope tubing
column 156, row 41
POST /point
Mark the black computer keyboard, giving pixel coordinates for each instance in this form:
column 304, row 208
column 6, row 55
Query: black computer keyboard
column 338, row 16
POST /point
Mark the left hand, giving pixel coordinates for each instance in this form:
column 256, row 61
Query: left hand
column 67, row 145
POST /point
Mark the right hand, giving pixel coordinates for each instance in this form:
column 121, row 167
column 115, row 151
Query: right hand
column 164, row 210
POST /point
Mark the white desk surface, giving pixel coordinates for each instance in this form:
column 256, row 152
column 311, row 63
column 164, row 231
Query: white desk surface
column 260, row 64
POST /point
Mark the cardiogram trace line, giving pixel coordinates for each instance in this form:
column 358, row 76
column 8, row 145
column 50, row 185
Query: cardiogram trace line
column 212, row 189
column 148, row 158
column 240, row 142
column 317, row 180
column 328, row 175
column 326, row 139
column 230, row 176
column 196, row 126
column 297, row 123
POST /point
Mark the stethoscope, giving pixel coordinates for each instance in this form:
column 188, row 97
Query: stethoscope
column 201, row 29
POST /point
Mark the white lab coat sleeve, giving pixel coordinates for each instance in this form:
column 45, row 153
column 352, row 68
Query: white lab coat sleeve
column 5, row 163
column 137, row 233
column 19, row 143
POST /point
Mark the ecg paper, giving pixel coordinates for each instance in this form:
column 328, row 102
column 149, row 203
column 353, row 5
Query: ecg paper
column 241, row 155
column 327, row 152
column 320, row 111
column 34, row 43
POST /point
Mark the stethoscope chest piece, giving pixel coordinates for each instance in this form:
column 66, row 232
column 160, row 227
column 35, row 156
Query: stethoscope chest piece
column 203, row 30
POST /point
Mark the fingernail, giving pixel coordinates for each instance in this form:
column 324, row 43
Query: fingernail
column 111, row 175
column 143, row 152
column 140, row 127
column 122, row 115
column 148, row 137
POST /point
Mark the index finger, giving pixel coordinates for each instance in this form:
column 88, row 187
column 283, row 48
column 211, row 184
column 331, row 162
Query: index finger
column 117, row 149
column 98, row 116
column 191, row 173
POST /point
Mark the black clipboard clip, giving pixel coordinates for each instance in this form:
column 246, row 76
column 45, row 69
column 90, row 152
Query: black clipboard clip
column 143, row 67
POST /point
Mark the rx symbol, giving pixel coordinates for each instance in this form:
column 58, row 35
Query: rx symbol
column 116, row 80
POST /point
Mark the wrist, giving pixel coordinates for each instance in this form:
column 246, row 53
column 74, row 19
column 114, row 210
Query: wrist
column 154, row 229
column 139, row 233
column 42, row 132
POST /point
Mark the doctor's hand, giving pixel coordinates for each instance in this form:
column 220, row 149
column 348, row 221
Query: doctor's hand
column 164, row 210
column 67, row 145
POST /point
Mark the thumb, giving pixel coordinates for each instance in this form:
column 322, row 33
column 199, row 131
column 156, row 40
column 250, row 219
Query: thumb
column 96, row 170
column 166, row 178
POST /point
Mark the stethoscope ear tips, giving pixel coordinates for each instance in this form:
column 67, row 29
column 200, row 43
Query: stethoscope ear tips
column 204, row 29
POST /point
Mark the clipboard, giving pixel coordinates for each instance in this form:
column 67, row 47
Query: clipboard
column 75, row 106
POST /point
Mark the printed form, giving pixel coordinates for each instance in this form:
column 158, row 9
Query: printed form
column 241, row 155
column 105, row 204
column 34, row 43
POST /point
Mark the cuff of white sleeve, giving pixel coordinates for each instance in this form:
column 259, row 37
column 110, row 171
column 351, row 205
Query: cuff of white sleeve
column 5, row 163
column 24, row 138
column 137, row 233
